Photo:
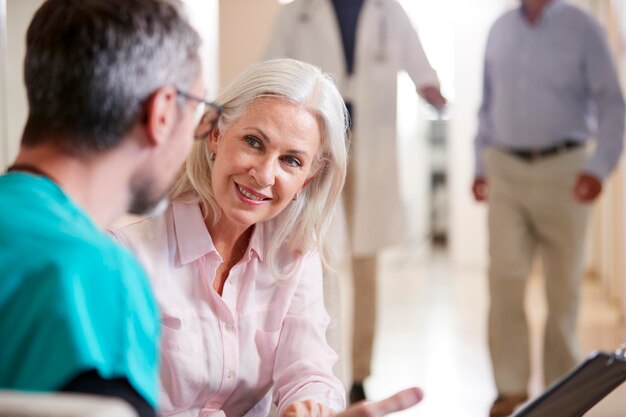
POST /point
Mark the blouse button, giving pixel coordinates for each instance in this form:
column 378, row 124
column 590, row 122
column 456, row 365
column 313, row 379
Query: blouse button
column 229, row 326
column 230, row 374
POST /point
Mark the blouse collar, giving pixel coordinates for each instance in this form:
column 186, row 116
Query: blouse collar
column 194, row 240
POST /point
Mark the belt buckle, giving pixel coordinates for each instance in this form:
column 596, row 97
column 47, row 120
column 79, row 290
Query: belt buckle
column 535, row 156
column 561, row 148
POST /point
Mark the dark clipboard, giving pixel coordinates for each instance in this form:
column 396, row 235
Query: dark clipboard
column 582, row 388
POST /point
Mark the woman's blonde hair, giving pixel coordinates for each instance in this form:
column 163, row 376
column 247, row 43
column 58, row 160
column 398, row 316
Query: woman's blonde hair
column 303, row 225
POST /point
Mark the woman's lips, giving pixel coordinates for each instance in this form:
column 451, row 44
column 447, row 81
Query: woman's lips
column 250, row 196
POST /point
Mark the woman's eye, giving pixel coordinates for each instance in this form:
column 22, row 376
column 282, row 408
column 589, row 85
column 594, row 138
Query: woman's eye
column 292, row 161
column 252, row 141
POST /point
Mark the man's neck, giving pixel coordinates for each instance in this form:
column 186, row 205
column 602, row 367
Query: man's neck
column 533, row 9
column 91, row 182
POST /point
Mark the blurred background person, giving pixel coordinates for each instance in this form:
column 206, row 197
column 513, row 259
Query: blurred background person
column 363, row 44
column 548, row 77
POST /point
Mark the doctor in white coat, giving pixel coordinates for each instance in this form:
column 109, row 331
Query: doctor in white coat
column 382, row 42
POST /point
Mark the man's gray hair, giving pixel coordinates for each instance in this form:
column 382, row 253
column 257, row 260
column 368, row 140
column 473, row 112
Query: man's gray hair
column 92, row 64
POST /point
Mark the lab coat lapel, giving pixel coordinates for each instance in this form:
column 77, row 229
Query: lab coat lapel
column 329, row 31
column 365, row 35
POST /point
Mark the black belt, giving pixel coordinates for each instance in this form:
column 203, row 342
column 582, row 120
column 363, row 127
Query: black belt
column 537, row 154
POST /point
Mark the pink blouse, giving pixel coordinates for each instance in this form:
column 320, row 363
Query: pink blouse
column 262, row 340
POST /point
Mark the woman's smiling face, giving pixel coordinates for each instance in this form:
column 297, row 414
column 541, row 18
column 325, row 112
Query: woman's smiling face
column 263, row 160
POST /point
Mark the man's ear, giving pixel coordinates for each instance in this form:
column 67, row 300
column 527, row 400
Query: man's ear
column 161, row 114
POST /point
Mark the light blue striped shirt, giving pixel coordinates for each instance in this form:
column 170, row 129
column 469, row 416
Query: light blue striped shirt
column 550, row 82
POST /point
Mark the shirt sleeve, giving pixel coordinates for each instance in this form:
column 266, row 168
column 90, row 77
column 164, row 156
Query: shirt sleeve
column 304, row 360
column 416, row 62
column 484, row 135
column 607, row 96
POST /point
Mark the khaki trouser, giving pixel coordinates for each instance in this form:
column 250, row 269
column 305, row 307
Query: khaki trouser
column 531, row 208
column 365, row 299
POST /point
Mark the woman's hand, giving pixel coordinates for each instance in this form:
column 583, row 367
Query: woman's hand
column 308, row 408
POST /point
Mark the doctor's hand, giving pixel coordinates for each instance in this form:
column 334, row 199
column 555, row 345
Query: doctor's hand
column 308, row 408
column 397, row 402
column 433, row 96
column 480, row 189
column 587, row 187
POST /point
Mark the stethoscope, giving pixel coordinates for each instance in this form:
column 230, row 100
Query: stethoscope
column 381, row 48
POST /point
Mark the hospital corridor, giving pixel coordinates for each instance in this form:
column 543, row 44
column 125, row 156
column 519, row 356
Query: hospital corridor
column 432, row 333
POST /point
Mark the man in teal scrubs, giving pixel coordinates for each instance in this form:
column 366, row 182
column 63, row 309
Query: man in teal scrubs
column 112, row 92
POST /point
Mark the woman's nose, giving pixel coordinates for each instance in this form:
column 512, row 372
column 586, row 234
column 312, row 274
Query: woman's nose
column 264, row 172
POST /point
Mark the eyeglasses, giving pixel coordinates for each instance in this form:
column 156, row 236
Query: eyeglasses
column 205, row 117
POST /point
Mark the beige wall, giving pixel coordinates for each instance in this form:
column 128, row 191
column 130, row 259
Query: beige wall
column 19, row 13
column 204, row 17
column 245, row 27
column 621, row 18
column 3, row 59
column 607, row 261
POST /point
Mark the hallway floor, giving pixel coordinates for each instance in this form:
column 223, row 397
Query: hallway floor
column 432, row 333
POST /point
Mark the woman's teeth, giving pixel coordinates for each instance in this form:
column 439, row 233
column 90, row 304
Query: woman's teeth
column 250, row 196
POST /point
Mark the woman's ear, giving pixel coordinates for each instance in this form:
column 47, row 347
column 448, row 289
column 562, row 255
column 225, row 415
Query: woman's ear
column 307, row 182
column 214, row 137
column 319, row 168
column 317, row 172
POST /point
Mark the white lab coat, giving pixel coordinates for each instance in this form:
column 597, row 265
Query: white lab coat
column 386, row 43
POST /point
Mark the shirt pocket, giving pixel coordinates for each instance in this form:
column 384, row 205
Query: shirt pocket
column 175, row 337
column 183, row 341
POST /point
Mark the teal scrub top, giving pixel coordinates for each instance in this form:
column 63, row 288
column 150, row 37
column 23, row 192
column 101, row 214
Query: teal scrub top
column 71, row 299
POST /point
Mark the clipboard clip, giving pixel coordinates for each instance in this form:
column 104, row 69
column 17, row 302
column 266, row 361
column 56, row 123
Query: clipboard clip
column 621, row 352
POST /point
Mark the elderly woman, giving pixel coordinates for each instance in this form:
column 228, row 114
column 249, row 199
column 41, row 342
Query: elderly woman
column 236, row 260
